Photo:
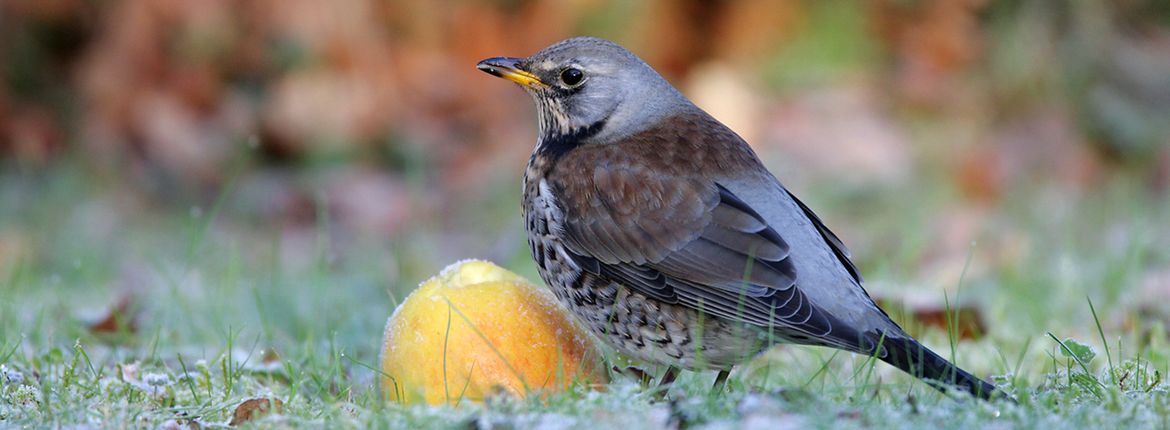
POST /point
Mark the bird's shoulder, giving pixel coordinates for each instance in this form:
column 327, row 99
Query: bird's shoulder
column 690, row 143
column 666, row 165
column 654, row 184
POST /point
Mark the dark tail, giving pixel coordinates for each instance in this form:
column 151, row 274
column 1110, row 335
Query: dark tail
column 916, row 359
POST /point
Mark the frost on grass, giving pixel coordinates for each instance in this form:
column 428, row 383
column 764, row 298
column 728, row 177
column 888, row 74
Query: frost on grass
column 10, row 376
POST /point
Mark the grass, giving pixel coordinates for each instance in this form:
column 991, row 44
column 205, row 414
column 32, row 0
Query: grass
column 221, row 292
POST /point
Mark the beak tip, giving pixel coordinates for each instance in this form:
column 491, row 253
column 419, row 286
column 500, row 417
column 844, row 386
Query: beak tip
column 508, row 68
column 492, row 66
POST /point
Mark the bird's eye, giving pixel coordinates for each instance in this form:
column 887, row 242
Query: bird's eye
column 572, row 76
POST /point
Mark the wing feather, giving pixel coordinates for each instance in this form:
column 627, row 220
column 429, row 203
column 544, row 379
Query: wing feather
column 681, row 238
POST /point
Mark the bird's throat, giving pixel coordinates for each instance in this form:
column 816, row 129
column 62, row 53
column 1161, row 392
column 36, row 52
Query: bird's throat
column 554, row 143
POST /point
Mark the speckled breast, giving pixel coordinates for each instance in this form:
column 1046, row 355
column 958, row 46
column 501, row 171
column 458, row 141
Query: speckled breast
column 635, row 325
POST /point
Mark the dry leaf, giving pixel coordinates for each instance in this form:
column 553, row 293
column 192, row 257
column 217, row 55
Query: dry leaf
column 269, row 363
column 255, row 408
column 968, row 320
column 269, row 357
column 121, row 318
column 969, row 323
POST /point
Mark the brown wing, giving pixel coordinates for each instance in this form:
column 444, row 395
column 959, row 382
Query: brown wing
column 674, row 236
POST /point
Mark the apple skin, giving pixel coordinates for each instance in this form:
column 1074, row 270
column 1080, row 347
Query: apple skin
column 475, row 329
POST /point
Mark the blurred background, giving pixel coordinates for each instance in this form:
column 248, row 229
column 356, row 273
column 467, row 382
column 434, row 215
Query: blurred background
column 1001, row 151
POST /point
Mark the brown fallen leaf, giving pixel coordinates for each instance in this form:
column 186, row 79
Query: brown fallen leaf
column 121, row 318
column 255, row 408
column 967, row 318
column 269, row 357
column 268, row 364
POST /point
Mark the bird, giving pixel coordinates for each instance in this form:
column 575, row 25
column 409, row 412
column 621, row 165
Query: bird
column 663, row 233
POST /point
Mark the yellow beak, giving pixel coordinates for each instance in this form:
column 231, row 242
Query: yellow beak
column 509, row 68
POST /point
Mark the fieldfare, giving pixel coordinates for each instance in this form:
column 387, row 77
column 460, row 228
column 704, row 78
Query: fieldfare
column 661, row 230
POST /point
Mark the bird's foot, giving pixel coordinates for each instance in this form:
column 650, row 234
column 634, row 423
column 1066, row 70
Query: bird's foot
column 720, row 381
column 664, row 384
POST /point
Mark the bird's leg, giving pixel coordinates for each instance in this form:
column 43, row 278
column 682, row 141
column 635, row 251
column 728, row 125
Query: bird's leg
column 668, row 377
column 664, row 384
column 720, row 381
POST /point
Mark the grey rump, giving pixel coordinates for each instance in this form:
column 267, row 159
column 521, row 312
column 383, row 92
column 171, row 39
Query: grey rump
column 659, row 228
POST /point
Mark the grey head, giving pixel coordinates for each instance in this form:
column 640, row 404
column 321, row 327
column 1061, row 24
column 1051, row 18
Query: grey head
column 590, row 90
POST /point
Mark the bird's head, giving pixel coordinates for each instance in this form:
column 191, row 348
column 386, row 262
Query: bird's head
column 589, row 90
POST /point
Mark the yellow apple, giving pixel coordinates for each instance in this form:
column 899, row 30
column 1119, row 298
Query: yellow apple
column 477, row 328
